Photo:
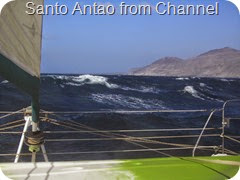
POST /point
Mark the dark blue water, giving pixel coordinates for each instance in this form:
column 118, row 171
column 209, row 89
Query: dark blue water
column 105, row 92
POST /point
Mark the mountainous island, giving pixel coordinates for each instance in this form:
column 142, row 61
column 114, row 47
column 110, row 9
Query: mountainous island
column 223, row 62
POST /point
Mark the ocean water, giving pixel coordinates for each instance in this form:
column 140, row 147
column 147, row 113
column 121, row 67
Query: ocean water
column 61, row 92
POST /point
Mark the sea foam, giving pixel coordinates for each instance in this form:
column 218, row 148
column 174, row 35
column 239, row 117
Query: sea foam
column 4, row 82
column 90, row 79
column 192, row 91
column 85, row 79
column 127, row 101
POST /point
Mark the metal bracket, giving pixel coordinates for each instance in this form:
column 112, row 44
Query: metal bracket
column 29, row 122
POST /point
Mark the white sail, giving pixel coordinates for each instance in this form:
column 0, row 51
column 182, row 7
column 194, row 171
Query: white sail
column 21, row 35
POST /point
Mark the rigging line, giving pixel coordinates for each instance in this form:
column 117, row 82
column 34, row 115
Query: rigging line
column 9, row 112
column 11, row 127
column 12, row 113
column 129, row 137
column 144, row 130
column 14, row 154
column 230, row 151
column 154, row 137
column 114, row 151
column 14, row 122
column 234, row 136
column 236, row 118
column 165, row 154
column 125, row 111
column 135, row 130
column 80, row 126
column 131, row 140
column 217, row 161
column 11, row 132
column 136, row 139
column 233, row 139
column 110, row 139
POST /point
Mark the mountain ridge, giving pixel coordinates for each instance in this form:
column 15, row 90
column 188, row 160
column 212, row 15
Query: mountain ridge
column 224, row 62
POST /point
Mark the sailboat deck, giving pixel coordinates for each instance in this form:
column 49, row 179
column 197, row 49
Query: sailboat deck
column 207, row 168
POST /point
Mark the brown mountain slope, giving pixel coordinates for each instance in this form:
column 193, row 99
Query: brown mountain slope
column 223, row 62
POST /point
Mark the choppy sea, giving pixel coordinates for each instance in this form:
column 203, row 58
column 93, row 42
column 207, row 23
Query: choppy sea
column 61, row 92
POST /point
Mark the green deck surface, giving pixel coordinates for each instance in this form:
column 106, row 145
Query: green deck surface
column 181, row 168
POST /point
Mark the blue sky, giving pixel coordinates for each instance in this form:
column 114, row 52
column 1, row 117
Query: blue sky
column 110, row 44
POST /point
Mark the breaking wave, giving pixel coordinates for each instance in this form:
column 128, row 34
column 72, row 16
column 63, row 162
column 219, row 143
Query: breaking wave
column 4, row 82
column 85, row 79
column 93, row 80
column 202, row 96
column 227, row 80
column 127, row 101
column 90, row 79
column 144, row 92
column 142, row 89
column 182, row 78
column 202, row 84
column 192, row 91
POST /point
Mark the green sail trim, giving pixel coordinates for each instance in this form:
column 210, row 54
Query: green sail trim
column 23, row 80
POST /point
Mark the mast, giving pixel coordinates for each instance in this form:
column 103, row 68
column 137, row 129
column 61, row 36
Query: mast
column 20, row 58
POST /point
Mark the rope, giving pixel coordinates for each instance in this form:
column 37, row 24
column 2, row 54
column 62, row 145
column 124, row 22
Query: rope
column 230, row 152
column 130, row 138
column 114, row 151
column 104, row 134
column 144, row 140
column 12, row 113
column 236, row 118
column 138, row 130
column 9, row 112
column 235, row 140
column 11, row 132
column 126, row 139
column 11, row 127
column 223, row 162
column 14, row 122
column 124, row 111
column 234, row 136
column 112, row 134
column 110, row 139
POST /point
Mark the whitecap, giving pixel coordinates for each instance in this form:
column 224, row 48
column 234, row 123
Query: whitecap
column 192, row 91
column 86, row 79
column 182, row 78
column 60, row 77
column 142, row 89
column 205, row 86
column 90, row 79
column 72, row 84
column 127, row 101
column 226, row 80
column 196, row 94
column 4, row 82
